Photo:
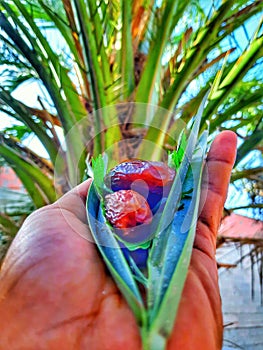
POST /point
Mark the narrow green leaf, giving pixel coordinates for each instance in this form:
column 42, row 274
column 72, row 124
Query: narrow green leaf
column 113, row 255
column 99, row 168
column 99, row 34
column 176, row 157
column 146, row 85
column 7, row 225
column 127, row 60
column 176, row 257
column 90, row 50
column 172, row 204
column 218, row 77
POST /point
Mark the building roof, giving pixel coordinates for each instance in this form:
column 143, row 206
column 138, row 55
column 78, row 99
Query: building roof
column 236, row 227
column 9, row 179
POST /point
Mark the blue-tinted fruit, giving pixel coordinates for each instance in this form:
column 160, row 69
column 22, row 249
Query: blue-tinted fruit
column 152, row 180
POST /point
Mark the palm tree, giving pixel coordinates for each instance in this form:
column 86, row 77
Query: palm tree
column 112, row 57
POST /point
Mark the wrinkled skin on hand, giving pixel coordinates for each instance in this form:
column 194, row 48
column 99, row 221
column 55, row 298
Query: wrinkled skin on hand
column 55, row 292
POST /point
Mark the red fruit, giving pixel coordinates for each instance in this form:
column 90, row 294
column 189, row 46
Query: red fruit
column 152, row 180
column 127, row 208
column 155, row 174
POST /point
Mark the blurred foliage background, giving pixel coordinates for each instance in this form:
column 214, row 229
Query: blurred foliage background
column 62, row 61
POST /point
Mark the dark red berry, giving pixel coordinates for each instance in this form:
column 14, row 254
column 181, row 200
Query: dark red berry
column 155, row 174
column 127, row 208
column 151, row 179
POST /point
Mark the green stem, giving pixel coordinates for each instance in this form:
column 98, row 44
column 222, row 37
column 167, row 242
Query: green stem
column 127, row 63
column 152, row 341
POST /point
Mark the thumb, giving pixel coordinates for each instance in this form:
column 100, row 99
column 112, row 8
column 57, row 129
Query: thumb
column 75, row 201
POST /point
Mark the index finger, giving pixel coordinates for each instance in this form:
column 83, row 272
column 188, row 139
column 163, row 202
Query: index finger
column 215, row 181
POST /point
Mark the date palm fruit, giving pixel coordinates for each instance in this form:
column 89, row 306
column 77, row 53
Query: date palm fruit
column 127, row 208
column 152, row 180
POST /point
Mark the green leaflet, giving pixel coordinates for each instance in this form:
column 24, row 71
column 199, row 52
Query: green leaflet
column 113, row 256
column 175, row 158
column 176, row 256
column 99, row 168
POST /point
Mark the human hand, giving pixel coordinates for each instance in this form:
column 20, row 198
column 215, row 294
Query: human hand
column 55, row 292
